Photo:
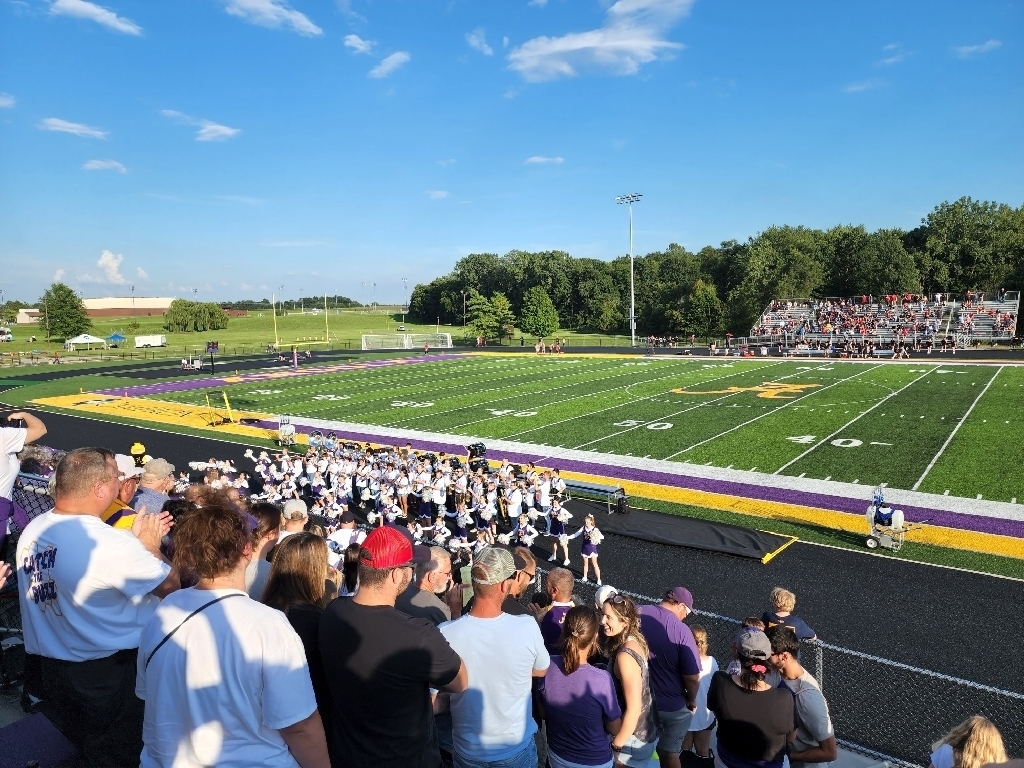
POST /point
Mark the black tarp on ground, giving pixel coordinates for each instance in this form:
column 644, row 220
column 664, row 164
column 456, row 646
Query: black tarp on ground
column 683, row 531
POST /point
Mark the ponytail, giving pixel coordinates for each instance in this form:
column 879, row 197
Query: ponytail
column 579, row 631
column 752, row 672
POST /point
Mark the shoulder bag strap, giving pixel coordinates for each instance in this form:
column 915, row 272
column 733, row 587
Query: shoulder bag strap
column 198, row 610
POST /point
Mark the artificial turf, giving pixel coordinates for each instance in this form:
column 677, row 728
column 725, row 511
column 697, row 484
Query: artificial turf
column 869, row 422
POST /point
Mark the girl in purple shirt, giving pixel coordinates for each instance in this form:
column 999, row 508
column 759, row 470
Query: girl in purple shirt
column 578, row 700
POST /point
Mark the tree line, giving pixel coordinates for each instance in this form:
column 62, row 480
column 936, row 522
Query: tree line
column 959, row 246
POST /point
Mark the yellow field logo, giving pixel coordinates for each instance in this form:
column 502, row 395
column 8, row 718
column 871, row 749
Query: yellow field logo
column 773, row 390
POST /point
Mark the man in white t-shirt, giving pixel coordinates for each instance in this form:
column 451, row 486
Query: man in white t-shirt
column 815, row 741
column 224, row 678
column 491, row 720
column 86, row 591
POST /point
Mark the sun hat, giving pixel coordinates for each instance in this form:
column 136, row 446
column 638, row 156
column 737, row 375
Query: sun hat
column 390, row 547
column 126, row 467
column 158, row 468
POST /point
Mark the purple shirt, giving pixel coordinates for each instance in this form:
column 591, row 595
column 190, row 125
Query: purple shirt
column 577, row 707
column 551, row 627
column 673, row 655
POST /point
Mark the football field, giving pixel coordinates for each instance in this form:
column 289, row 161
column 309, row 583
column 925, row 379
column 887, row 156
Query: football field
column 945, row 428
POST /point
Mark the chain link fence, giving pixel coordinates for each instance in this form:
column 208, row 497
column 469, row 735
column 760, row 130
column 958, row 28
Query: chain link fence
column 880, row 708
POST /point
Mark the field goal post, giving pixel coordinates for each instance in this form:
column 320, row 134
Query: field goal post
column 383, row 341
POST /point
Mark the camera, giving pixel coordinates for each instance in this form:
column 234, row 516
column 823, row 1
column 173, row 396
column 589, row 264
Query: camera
column 13, row 423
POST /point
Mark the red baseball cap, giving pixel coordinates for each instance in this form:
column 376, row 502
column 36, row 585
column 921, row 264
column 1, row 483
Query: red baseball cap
column 390, row 547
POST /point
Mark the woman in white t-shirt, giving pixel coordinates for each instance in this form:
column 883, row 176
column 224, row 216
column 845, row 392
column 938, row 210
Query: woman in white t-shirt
column 224, row 678
column 971, row 744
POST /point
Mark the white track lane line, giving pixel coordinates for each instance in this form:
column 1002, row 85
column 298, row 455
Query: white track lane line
column 773, row 410
column 851, row 421
column 952, row 434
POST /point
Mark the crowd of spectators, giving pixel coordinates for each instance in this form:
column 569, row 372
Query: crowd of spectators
column 197, row 626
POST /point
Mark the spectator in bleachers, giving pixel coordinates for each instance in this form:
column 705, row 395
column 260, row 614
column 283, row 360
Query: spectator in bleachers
column 294, row 518
column 972, row 744
column 559, row 586
column 491, row 722
column 13, row 440
column 675, row 668
column 703, row 721
column 5, row 573
column 264, row 537
column 433, row 579
column 815, row 741
column 155, row 485
column 120, row 513
column 783, row 604
column 578, row 701
column 380, row 663
column 86, row 591
column 624, row 645
column 224, row 678
column 300, row 586
column 754, row 718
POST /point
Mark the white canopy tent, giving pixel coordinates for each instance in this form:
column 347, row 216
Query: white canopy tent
column 86, row 339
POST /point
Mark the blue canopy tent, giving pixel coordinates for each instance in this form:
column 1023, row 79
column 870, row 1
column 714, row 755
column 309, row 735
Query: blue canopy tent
column 116, row 339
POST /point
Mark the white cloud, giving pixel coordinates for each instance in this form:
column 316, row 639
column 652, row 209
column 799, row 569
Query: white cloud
column 141, row 273
column 504, row 42
column 436, row 194
column 896, row 54
column 6, row 100
column 275, row 14
column 538, row 3
column 208, row 130
column 389, row 64
column 104, row 165
column 967, row 51
column 541, row 160
column 82, row 9
column 58, row 275
column 78, row 129
column 110, row 263
column 865, row 85
column 345, row 6
column 449, row 161
column 358, row 45
column 477, row 41
column 633, row 34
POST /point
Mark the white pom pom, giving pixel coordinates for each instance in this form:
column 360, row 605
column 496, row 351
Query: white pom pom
column 505, row 539
column 563, row 540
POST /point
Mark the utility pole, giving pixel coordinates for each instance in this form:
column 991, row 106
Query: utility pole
column 628, row 200
column 277, row 341
column 463, row 313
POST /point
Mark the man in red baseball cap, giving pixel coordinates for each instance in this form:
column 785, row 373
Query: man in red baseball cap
column 381, row 663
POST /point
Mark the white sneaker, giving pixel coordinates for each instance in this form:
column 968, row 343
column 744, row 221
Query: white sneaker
column 599, row 582
column 566, row 561
column 584, row 579
column 551, row 559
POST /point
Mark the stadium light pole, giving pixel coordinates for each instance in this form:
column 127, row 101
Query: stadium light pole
column 628, row 200
column 405, row 293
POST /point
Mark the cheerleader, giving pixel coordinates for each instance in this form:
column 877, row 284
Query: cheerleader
column 463, row 520
column 402, row 488
column 439, row 532
column 559, row 517
column 592, row 538
column 483, row 539
column 524, row 533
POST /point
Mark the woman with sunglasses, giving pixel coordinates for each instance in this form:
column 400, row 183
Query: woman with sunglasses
column 626, row 648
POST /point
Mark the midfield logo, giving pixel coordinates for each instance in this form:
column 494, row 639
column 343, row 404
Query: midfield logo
column 772, row 390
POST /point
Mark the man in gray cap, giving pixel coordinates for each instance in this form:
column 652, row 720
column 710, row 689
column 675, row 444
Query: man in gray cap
column 154, row 486
column 491, row 720
column 293, row 517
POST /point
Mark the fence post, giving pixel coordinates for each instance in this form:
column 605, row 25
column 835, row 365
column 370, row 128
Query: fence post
column 819, row 657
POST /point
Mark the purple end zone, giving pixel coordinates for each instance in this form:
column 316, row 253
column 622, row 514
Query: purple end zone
column 187, row 385
column 744, row 490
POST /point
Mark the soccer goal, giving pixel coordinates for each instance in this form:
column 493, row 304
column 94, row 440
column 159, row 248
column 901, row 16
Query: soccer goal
column 406, row 340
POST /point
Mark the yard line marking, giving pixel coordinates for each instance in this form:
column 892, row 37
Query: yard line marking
column 851, row 421
column 952, row 434
column 774, row 410
column 631, row 402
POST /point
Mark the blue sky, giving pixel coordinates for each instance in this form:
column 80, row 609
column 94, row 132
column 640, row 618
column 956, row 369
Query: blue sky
column 235, row 146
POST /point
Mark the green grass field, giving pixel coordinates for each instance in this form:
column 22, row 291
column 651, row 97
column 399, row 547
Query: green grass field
column 937, row 428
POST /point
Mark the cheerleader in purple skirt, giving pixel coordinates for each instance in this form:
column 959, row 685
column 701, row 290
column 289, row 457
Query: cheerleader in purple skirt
column 559, row 517
column 592, row 538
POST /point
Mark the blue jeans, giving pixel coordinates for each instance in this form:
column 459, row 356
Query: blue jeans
column 525, row 759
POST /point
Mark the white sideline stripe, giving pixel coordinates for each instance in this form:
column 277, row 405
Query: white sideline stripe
column 952, row 434
column 774, row 410
column 851, row 421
